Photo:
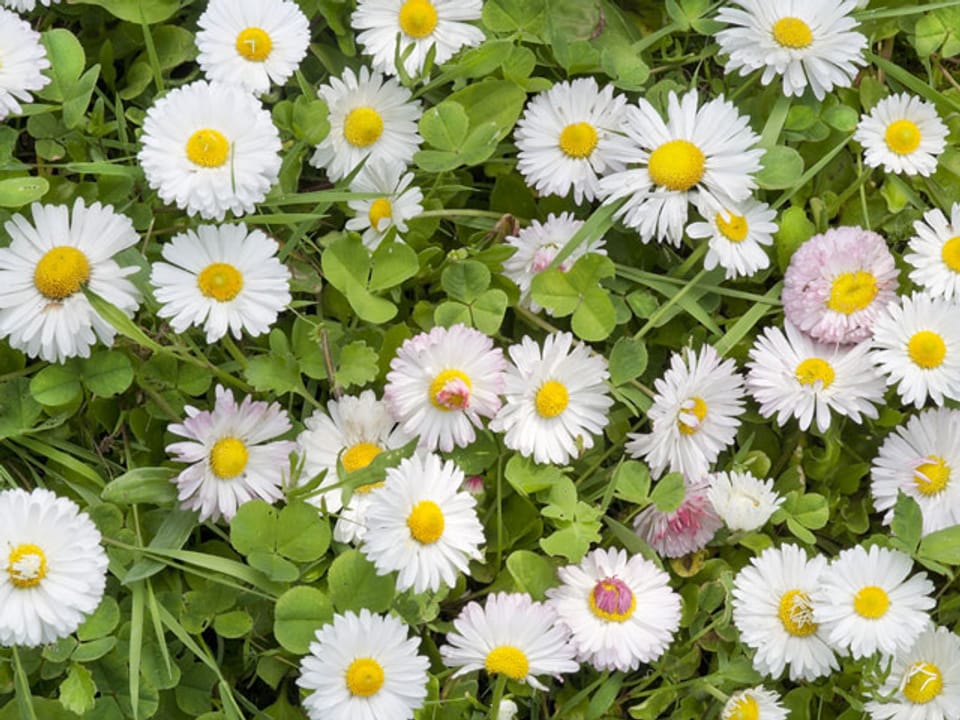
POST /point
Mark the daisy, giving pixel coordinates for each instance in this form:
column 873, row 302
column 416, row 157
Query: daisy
column 210, row 148
column 935, row 253
column 837, row 284
column 791, row 375
column 742, row 501
column 866, row 602
column 513, row 636
column 737, row 233
column 421, row 524
column 370, row 117
column 695, row 414
column 252, row 43
column 399, row 203
column 22, row 62
column 43, row 310
column 556, row 400
column 363, row 666
column 916, row 345
column 773, row 610
column 27, row 5
column 230, row 460
column 684, row 530
column 904, row 134
column 440, row 25
column 619, row 609
column 441, row 383
column 808, row 42
column 222, row 277
column 756, row 703
column 698, row 155
column 55, row 569
column 569, row 136
column 922, row 460
column 537, row 246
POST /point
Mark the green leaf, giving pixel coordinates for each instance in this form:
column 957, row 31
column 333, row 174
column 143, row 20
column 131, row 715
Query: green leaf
column 907, row 524
column 137, row 11
column 274, row 373
column 57, row 384
column 107, row 373
column 595, row 318
column 507, row 16
column 632, row 482
column 532, row 573
column 445, row 125
column 465, row 280
column 233, row 624
column 498, row 102
column 16, row 192
column 572, row 541
column 18, row 409
column 94, row 650
column 254, row 528
column 393, row 263
column 77, row 690
column 810, row 510
column 273, row 566
column 782, row 168
column 298, row 614
column 488, row 310
column 795, row 229
column 552, row 289
column 67, row 61
column 528, row 477
column 669, row 492
column 841, row 117
column 102, row 622
column 628, row 360
column 358, row 365
column 354, row 584
column 153, row 485
column 310, row 120
column 302, row 535
column 942, row 546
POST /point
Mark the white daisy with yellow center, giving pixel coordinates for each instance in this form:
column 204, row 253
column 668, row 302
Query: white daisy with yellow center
column 231, row 461
column 22, row 62
column 400, row 201
column 935, row 253
column 904, row 134
column 743, row 501
column 736, row 235
column 756, row 703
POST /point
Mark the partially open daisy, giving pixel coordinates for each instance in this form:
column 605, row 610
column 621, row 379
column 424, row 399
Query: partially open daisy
column 512, row 636
column 808, row 42
column 252, row 43
column 922, row 460
column 935, row 253
column 363, row 666
column 231, row 461
column 756, row 703
column 222, row 277
column 742, row 501
column 620, row 609
column 371, row 117
column 209, row 149
column 43, row 271
column 52, row 567
column 916, row 345
column 22, row 62
column 400, row 202
column 556, row 400
column 736, row 235
column 684, row 530
column 791, row 375
column 773, row 610
column 569, row 136
column 421, row 25
column 902, row 133
column 442, row 383
column 695, row 414
column 838, row 283
column 698, row 153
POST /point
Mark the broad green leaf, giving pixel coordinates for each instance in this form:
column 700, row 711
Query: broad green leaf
column 57, row 384
column 942, row 546
column 354, row 584
column 528, row 477
column 138, row 11
column 153, row 485
column 668, row 492
column 310, row 122
column 107, row 373
column 393, row 263
column 532, row 573
column 595, row 318
column 77, row 690
column 358, row 364
column 445, row 125
column 67, row 61
column 782, row 168
column 302, row 535
column 299, row 613
column 907, row 524
column 491, row 101
column 632, row 482
column 254, row 528
column 795, row 229
column 234, row 624
column 16, row 192
column 102, row 622
column 465, row 280
column 628, row 360
column 552, row 289
column 18, row 408
column 487, row 311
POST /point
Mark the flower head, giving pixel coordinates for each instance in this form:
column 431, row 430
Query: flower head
column 684, row 530
column 22, row 62
column 904, row 134
column 756, row 703
column 742, row 501
column 737, row 233
column 935, row 253
column 400, row 202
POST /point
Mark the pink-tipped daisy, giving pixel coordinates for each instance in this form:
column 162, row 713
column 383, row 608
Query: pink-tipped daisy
column 683, row 531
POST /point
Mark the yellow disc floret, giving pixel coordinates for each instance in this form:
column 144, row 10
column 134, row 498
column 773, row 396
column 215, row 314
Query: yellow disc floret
column 735, row 229
column 254, row 44
column 677, row 165
column 26, row 566
column 813, row 369
column 932, row 477
column 927, row 349
column 699, row 411
column 450, row 390
column 852, row 291
column 208, row 148
column 418, row 18
column 220, row 281
column 380, row 209
column 871, row 602
column 951, row 253
column 792, row 32
column 509, row 661
column 426, row 522
column 362, row 127
column 229, row 458
column 357, row 457
column 902, row 136
column 744, row 708
column 552, row 399
column 61, row 272
column 796, row 613
column 578, row 140
column 364, row 677
column 922, row 682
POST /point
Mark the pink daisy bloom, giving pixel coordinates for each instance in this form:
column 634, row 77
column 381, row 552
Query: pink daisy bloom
column 683, row 531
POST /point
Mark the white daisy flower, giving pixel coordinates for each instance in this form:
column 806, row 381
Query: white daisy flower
column 400, row 202
column 922, row 460
column 808, row 42
column 791, row 375
column 537, row 246
column 695, row 414
column 55, row 569
column 231, row 461
column 513, row 636
column 924, row 681
column 556, row 401
column 43, row 310
column 736, row 235
column 935, row 253
column 697, row 155
column 363, row 666
column 773, row 610
column 743, row 501
column 370, row 117
column 619, row 609
column 421, row 25
column 866, row 602
column 22, row 62
column 569, row 136
column 682, row 531
column 904, row 134
column 441, row 383
column 422, row 525
column 222, row 277
column 916, row 345
column 27, row 5
column 756, row 703
column 209, row 148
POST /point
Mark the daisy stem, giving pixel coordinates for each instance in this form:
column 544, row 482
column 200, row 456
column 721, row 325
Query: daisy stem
column 497, row 696
column 234, row 351
column 24, row 698
column 718, row 694
column 535, row 320
column 863, row 194
column 663, row 309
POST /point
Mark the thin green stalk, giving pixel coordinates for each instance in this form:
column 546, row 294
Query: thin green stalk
column 498, row 688
column 663, row 309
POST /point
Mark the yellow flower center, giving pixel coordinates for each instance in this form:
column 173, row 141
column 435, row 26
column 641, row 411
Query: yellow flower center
column 677, row 165
column 871, row 602
column 951, row 253
column 578, row 140
column 363, row 127
column 254, row 44
column 364, row 677
column 418, row 18
column 509, row 661
column 932, row 477
column 902, row 136
column 923, row 681
column 612, row 600
column 792, row 32
column 796, row 613
column 744, row 708
column 735, row 229
column 26, row 566
column 380, row 209
column 699, row 411
column 228, row 458
column 927, row 349
column 208, row 148
column 61, row 272
column 426, row 522
column 357, row 457
column 220, row 281
column 450, row 390
column 852, row 291
column 813, row 369
column 552, row 399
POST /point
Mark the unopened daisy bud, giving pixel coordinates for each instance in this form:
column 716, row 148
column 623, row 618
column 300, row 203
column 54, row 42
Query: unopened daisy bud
column 742, row 501
column 473, row 484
